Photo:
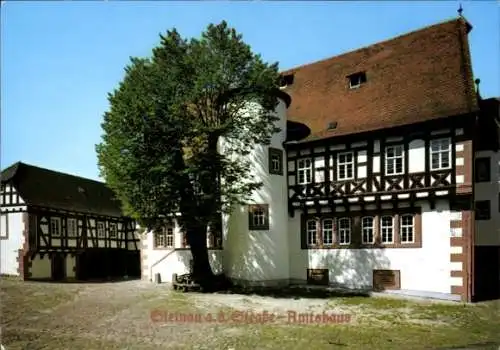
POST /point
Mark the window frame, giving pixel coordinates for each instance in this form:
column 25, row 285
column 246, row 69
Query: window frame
column 355, row 229
column 439, row 153
column 252, row 225
column 55, row 219
column 4, row 230
column 162, row 234
column 403, row 226
column 394, row 159
column 487, row 208
column 169, row 235
column 159, row 239
column 331, row 230
column 392, row 227
column 361, row 79
column 68, row 225
column 113, row 230
column 486, row 162
column 272, row 154
column 343, row 232
column 311, row 233
column 306, row 170
column 345, row 164
column 103, row 231
column 363, row 229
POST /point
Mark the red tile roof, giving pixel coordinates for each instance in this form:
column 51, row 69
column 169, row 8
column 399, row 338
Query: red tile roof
column 419, row 76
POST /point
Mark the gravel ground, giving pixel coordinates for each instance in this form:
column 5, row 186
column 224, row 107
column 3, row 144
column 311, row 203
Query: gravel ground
column 132, row 315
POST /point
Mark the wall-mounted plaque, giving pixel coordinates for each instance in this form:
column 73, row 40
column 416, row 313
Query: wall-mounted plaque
column 318, row 277
column 386, row 279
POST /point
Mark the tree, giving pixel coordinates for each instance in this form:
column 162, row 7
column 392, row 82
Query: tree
column 160, row 151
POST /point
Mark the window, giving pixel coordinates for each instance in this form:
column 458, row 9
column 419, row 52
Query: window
column 483, row 169
column 331, row 126
column 327, row 231
column 311, row 232
column 113, row 230
column 55, row 227
column 344, row 231
column 160, row 238
column 398, row 228
column 258, row 217
column 355, row 80
column 101, row 233
column 170, row 237
column 387, row 229
column 215, row 232
column 367, row 229
column 164, row 238
column 214, row 240
column 394, row 160
column 483, row 210
column 275, row 161
column 286, row 80
column 71, row 227
column 345, row 166
column 184, row 240
column 304, row 171
column 4, row 226
column 440, row 154
column 407, row 229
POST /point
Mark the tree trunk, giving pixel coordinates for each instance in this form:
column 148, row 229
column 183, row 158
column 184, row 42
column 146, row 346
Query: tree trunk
column 202, row 271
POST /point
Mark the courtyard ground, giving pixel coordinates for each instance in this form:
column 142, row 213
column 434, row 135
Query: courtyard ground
column 135, row 315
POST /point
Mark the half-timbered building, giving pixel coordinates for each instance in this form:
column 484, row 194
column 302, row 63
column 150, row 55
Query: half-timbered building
column 373, row 181
column 57, row 226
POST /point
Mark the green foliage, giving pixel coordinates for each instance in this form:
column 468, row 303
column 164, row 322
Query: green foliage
column 159, row 151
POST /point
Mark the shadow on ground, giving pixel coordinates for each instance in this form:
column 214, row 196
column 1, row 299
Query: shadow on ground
column 294, row 292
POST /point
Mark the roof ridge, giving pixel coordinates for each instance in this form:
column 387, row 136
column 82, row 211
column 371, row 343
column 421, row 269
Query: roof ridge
column 9, row 172
column 20, row 163
column 455, row 19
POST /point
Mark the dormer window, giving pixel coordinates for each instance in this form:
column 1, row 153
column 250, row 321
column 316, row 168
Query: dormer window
column 355, row 80
column 286, row 80
column 331, row 126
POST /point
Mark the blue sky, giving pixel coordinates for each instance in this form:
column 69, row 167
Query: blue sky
column 60, row 59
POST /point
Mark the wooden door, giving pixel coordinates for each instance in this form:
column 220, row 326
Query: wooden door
column 486, row 273
column 58, row 267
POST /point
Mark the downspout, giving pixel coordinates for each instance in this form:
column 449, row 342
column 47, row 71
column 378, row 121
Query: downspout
column 472, row 98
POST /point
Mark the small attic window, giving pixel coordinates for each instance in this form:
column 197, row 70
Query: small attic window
column 356, row 79
column 332, row 126
column 286, row 80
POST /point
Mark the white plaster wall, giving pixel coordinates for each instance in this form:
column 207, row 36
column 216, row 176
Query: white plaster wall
column 41, row 267
column 422, row 269
column 9, row 247
column 177, row 261
column 488, row 231
column 166, row 262
column 416, row 156
column 261, row 255
column 70, row 265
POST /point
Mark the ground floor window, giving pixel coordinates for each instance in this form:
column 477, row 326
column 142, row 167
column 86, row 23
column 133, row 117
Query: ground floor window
column 383, row 228
column 164, row 237
column 368, row 229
